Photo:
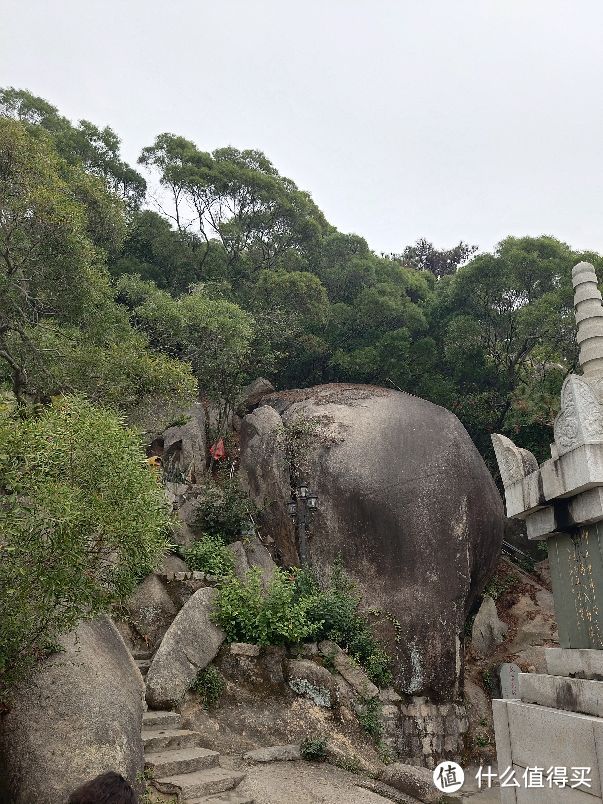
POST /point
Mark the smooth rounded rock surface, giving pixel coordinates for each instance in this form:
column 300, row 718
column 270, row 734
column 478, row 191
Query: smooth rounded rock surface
column 151, row 610
column 189, row 645
column 79, row 716
column 404, row 498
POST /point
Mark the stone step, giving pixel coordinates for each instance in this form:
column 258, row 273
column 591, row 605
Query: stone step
column 182, row 760
column 156, row 719
column 231, row 797
column 155, row 740
column 199, row 784
column 142, row 654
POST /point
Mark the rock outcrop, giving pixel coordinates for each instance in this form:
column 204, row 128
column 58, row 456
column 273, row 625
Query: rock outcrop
column 488, row 631
column 349, row 670
column 252, row 554
column 416, row 782
column 183, row 448
column 79, row 716
column 151, row 610
column 404, row 499
column 189, row 645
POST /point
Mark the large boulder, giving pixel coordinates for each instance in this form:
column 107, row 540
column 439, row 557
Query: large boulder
column 190, row 644
column 151, row 611
column 183, row 447
column 404, row 499
column 488, row 630
column 80, row 715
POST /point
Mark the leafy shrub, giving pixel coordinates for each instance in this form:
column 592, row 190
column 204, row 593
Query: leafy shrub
column 369, row 717
column 274, row 616
column 296, row 607
column 351, row 764
column 335, row 607
column 223, row 510
column 82, row 518
column 500, row 583
column 209, row 554
column 209, row 686
column 314, row 749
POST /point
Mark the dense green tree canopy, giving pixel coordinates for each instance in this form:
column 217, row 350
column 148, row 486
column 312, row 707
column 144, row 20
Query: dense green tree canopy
column 213, row 335
column 82, row 519
column 60, row 328
column 237, row 197
column 95, row 149
column 239, row 273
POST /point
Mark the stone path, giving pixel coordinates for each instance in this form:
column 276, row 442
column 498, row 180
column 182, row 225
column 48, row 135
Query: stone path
column 312, row 783
column 179, row 765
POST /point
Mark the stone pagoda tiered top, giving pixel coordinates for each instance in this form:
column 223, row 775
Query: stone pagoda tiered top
column 567, row 490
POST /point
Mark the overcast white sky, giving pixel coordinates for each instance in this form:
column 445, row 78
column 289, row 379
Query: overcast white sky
column 448, row 119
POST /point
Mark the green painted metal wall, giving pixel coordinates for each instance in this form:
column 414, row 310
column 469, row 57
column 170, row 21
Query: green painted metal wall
column 576, row 560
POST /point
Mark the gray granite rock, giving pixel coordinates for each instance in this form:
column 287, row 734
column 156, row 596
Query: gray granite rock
column 349, row 669
column 413, row 781
column 404, row 499
column 78, row 717
column 275, row 753
column 189, row 645
column 488, row 630
column 151, row 610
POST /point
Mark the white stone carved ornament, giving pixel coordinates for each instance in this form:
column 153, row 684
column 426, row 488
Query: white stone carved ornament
column 514, row 463
column 574, row 474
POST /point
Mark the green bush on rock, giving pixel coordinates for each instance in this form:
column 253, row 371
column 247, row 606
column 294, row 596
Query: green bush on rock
column 209, row 554
column 82, row 519
column 314, row 749
column 274, row 616
column 296, row 607
column 209, row 686
column 336, row 607
column 223, row 510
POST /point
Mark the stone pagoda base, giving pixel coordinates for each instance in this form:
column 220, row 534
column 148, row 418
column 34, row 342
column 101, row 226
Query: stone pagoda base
column 556, row 722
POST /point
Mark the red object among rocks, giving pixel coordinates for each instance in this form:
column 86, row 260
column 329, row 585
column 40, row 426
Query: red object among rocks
column 217, row 450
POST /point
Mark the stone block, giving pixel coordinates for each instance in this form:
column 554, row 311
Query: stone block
column 586, row 508
column 524, row 496
column 559, row 692
column 542, row 522
column 503, row 746
column 543, row 737
column 244, row 649
column 509, row 680
column 275, row 753
column 575, row 663
column 574, row 472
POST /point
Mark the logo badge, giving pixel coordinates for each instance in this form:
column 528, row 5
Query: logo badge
column 448, row 777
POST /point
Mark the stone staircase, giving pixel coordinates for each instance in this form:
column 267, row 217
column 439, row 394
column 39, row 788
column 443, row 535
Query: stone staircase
column 179, row 766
